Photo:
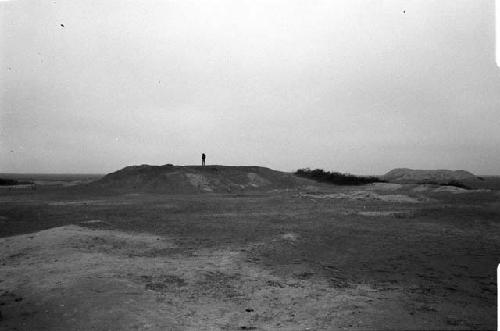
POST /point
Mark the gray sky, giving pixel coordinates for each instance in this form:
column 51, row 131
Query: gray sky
column 353, row 86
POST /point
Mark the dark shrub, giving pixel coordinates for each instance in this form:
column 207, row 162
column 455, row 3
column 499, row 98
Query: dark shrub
column 456, row 183
column 336, row 177
column 428, row 182
column 6, row 181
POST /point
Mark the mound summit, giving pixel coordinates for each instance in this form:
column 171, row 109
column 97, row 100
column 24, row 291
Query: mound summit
column 194, row 179
column 404, row 175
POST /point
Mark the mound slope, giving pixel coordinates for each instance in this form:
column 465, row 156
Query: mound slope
column 194, row 179
column 404, row 175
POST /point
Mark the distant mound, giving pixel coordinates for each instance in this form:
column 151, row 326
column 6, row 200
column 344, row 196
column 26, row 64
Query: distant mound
column 194, row 179
column 403, row 175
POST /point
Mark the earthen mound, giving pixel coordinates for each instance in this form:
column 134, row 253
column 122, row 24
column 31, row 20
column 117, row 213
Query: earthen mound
column 403, row 175
column 194, row 179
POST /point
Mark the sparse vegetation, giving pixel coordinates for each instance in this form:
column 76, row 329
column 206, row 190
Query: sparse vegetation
column 6, row 181
column 336, row 177
column 456, row 183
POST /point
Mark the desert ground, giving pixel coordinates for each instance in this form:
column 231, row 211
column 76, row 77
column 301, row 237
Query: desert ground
column 314, row 257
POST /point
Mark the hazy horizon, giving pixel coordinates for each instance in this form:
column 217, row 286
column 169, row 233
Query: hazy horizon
column 351, row 86
column 197, row 165
column 186, row 165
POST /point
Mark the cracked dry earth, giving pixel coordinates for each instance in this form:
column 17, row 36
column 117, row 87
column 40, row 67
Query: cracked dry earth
column 79, row 278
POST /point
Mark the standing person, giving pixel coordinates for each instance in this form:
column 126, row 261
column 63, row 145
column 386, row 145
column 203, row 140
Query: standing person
column 202, row 159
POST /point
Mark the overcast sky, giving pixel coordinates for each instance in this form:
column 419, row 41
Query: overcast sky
column 352, row 86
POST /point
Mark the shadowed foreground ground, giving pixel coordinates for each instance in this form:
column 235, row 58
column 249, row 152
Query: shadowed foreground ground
column 372, row 257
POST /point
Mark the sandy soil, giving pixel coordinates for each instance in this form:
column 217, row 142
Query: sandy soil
column 375, row 257
column 78, row 278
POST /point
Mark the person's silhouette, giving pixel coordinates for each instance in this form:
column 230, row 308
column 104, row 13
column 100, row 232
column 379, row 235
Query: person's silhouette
column 202, row 159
